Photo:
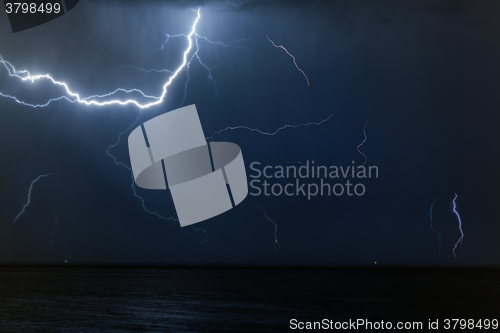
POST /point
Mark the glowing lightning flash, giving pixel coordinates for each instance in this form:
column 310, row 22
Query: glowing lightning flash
column 26, row 76
column 283, row 48
column 461, row 239
column 29, row 196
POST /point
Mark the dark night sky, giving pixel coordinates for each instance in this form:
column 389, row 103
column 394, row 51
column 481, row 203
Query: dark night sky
column 425, row 76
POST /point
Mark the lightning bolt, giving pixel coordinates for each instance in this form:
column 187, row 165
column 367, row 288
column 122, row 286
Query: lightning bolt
column 97, row 100
column 295, row 62
column 25, row 75
column 461, row 239
column 29, row 195
column 432, row 226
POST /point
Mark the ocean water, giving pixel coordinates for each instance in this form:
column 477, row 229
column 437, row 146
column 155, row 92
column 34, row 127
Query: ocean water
column 82, row 299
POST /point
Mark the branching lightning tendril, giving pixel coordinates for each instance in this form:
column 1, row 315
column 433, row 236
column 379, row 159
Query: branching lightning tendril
column 276, row 244
column 145, row 71
column 271, row 133
column 283, row 159
column 205, row 237
column 132, row 174
column 302, row 163
column 283, row 48
column 359, row 151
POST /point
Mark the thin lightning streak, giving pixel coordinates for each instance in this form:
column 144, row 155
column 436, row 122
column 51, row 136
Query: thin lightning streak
column 359, row 151
column 283, row 48
column 432, row 226
column 233, row 44
column 143, row 203
column 205, row 237
column 276, row 244
column 461, row 239
column 302, row 163
column 118, row 141
column 271, row 133
column 210, row 77
column 187, row 81
column 29, row 195
column 90, row 100
column 168, row 38
column 145, row 71
column 283, row 159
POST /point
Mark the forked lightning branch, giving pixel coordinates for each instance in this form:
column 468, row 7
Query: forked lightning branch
column 309, row 180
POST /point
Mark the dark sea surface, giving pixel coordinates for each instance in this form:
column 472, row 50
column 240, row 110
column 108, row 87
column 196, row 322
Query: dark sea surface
column 52, row 299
